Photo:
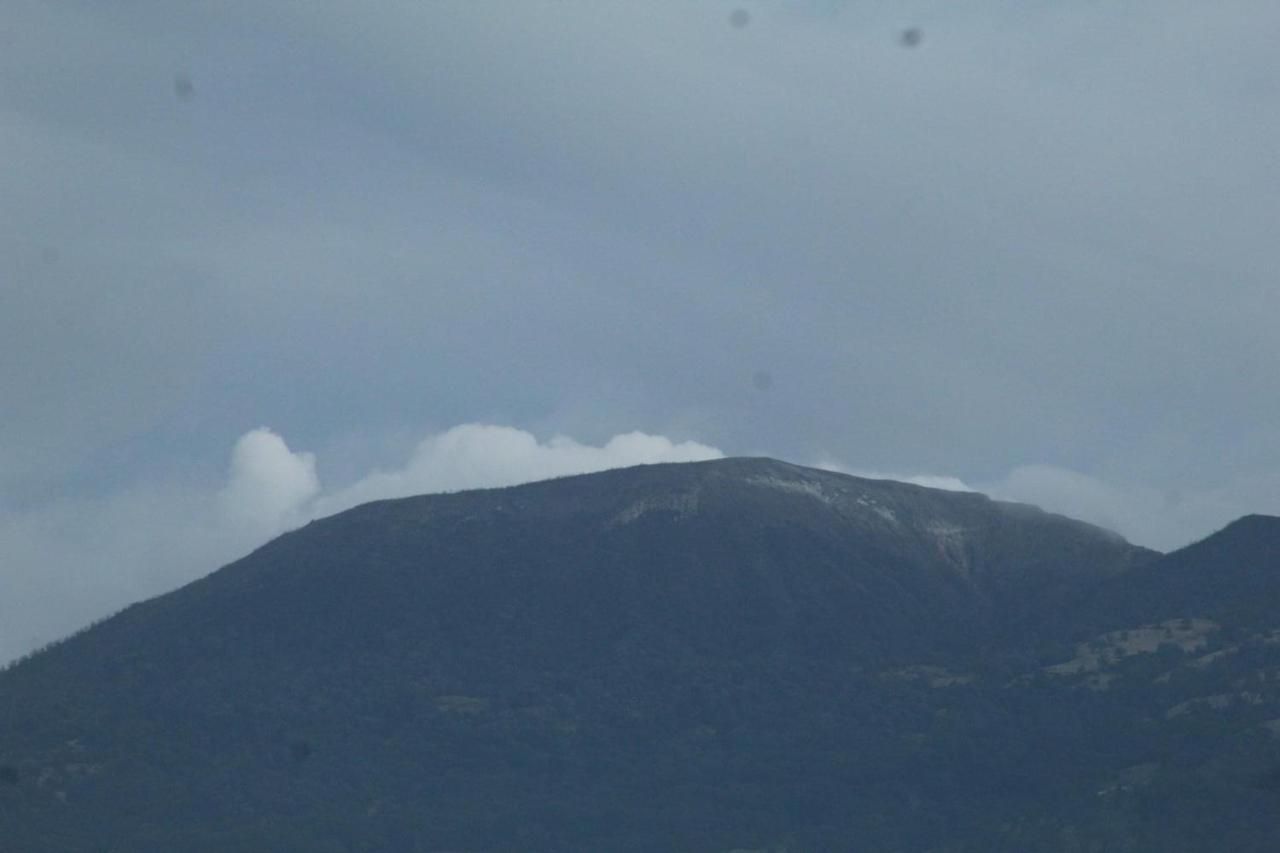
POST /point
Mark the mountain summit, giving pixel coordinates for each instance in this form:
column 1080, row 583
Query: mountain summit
column 740, row 653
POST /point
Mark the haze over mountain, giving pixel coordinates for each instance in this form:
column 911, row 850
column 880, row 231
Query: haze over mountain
column 733, row 654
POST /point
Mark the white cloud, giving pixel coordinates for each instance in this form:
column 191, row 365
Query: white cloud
column 483, row 456
column 269, row 484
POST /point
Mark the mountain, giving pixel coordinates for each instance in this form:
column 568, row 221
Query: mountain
column 738, row 654
column 1232, row 576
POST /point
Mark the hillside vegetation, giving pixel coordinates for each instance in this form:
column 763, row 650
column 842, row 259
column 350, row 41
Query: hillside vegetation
column 730, row 655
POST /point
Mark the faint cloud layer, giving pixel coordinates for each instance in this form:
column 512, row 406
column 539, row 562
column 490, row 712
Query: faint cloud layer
column 932, row 481
column 1142, row 514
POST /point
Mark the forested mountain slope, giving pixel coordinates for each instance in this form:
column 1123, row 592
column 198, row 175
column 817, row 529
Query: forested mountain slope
column 738, row 654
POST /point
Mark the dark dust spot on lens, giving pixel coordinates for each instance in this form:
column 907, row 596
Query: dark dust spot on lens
column 739, row 18
column 763, row 380
column 910, row 37
column 50, row 254
column 182, row 87
column 8, row 774
column 300, row 750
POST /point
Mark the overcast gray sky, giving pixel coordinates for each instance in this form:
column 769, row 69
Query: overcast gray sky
column 261, row 261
